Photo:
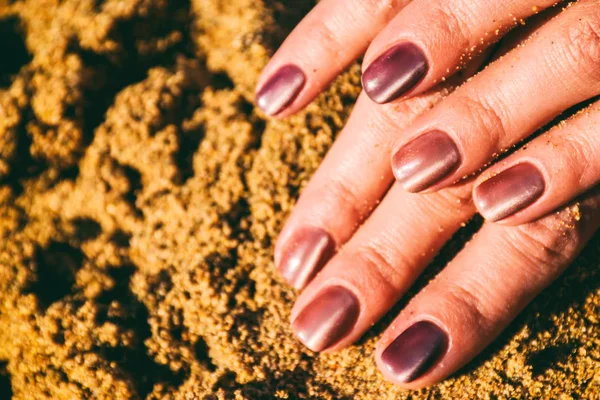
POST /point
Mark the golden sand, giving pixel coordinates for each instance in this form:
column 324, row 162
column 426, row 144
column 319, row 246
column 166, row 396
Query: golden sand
column 141, row 194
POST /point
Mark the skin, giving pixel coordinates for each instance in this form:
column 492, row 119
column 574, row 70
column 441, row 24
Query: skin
column 390, row 235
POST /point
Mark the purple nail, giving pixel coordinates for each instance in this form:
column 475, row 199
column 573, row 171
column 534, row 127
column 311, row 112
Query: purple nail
column 415, row 351
column 327, row 319
column 510, row 191
column 395, row 72
column 281, row 89
column 425, row 161
column 304, row 254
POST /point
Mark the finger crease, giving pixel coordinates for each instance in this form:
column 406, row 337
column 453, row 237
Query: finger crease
column 392, row 270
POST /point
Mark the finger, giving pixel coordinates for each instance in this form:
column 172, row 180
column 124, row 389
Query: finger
column 347, row 186
column 430, row 39
column 556, row 69
column 475, row 297
column 329, row 38
column 550, row 171
column 377, row 265
column 349, row 182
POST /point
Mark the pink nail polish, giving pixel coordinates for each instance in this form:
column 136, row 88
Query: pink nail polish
column 327, row 319
column 425, row 161
column 304, row 254
column 510, row 191
column 395, row 72
column 281, row 89
column 415, row 351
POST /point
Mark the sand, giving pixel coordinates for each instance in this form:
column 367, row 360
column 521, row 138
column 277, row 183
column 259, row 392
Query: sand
column 141, row 193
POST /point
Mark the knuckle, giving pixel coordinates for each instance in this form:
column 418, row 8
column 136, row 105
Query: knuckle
column 470, row 306
column 342, row 194
column 327, row 36
column 581, row 161
column 549, row 243
column 400, row 114
column 489, row 117
column 390, row 266
column 384, row 8
column 453, row 24
column 583, row 42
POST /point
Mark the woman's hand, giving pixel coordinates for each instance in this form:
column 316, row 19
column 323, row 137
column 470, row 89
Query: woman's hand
column 388, row 233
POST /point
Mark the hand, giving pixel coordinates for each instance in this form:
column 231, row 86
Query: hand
column 388, row 233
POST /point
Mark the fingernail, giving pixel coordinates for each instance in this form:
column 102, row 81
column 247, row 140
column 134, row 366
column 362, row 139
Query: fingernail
column 416, row 350
column 425, row 161
column 305, row 253
column 327, row 319
column 394, row 73
column 510, row 191
column 281, row 89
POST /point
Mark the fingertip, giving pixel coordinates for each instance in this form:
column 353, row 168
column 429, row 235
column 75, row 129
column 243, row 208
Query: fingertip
column 408, row 358
column 280, row 89
column 395, row 73
column 303, row 254
column 327, row 319
column 509, row 192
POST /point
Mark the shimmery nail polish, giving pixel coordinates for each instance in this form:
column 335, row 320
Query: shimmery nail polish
column 395, row 72
column 425, row 161
column 415, row 351
column 304, row 254
column 510, row 191
column 327, row 319
column 281, row 89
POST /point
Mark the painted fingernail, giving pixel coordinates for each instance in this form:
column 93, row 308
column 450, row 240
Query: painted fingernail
column 510, row 191
column 425, row 161
column 394, row 73
column 327, row 319
column 305, row 253
column 415, row 351
column 281, row 89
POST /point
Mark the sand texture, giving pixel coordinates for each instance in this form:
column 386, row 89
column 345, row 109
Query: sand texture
column 141, row 193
